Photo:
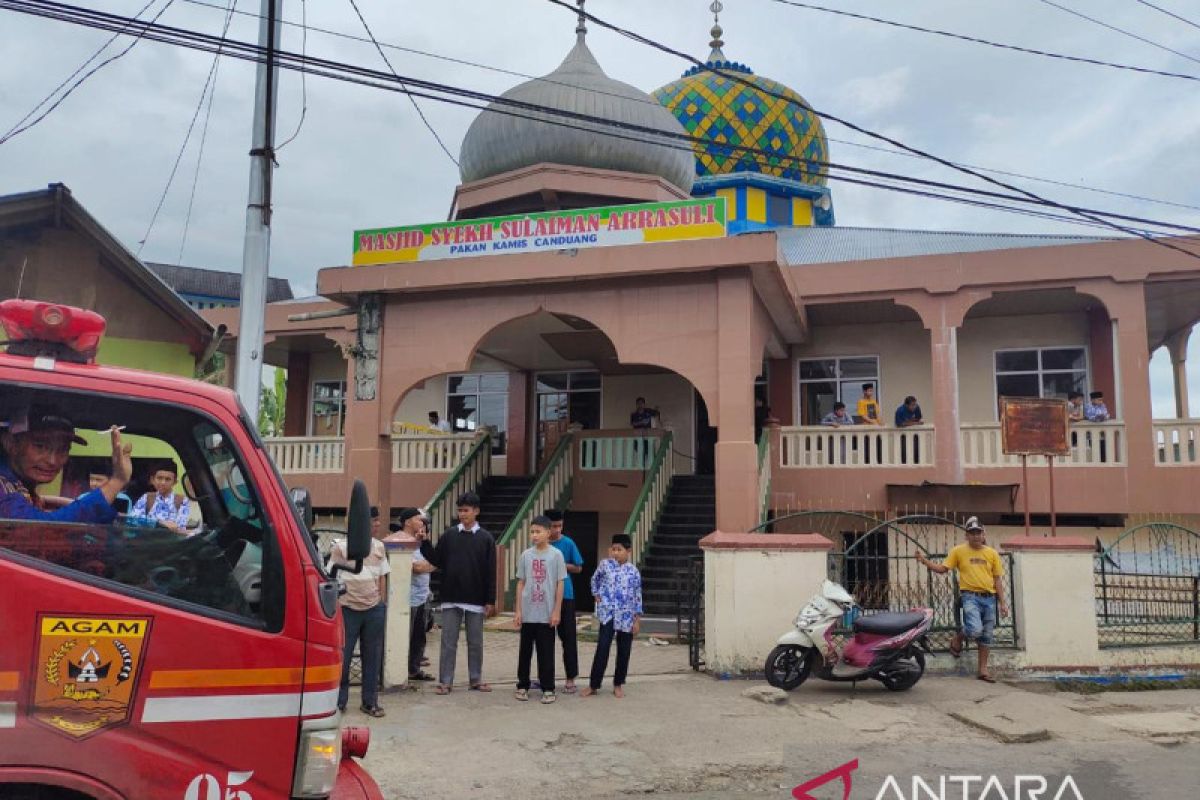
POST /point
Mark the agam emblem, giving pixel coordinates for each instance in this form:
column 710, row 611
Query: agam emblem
column 86, row 671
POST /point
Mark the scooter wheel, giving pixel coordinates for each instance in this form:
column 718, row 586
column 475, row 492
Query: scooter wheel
column 905, row 679
column 788, row 666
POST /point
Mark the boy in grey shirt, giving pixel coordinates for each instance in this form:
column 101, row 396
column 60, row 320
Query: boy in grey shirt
column 541, row 574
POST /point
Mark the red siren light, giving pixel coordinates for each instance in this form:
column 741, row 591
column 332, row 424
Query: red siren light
column 35, row 328
column 355, row 741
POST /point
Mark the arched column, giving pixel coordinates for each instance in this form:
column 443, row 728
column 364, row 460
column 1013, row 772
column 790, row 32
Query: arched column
column 1177, row 347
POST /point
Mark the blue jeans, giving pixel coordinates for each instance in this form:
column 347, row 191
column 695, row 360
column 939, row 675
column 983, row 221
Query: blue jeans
column 364, row 628
column 979, row 617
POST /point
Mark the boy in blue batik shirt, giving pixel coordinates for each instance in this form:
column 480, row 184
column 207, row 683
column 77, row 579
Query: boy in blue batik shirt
column 617, row 589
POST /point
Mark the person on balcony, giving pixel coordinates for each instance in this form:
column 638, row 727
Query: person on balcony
column 1075, row 406
column 838, row 417
column 909, row 413
column 868, row 407
column 642, row 418
column 438, row 424
column 1096, row 410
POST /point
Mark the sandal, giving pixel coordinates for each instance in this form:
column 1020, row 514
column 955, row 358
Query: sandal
column 521, row 694
column 372, row 711
column 548, row 698
column 441, row 689
column 481, row 687
column 956, row 651
column 421, row 676
column 986, row 678
column 569, row 688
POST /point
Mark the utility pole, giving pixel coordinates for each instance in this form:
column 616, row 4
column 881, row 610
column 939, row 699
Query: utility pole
column 256, row 252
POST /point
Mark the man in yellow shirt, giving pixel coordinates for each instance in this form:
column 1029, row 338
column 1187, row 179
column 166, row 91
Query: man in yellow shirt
column 868, row 406
column 981, row 589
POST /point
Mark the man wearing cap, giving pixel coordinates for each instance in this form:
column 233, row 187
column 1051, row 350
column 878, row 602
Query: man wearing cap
column 34, row 448
column 980, row 588
column 411, row 522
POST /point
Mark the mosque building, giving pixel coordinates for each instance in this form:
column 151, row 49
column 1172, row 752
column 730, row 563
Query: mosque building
column 690, row 257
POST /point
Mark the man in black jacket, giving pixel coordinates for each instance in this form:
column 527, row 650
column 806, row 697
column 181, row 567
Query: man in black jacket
column 466, row 556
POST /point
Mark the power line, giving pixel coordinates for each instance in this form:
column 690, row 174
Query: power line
column 459, row 96
column 732, row 76
column 412, row 99
column 1184, row 20
column 187, row 218
column 1121, row 31
column 847, row 142
column 989, row 43
column 212, row 71
column 23, row 126
column 303, row 76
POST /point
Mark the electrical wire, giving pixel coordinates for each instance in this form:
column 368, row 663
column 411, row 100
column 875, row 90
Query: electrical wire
column 1121, row 31
column 212, row 71
column 847, row 142
column 412, row 99
column 303, row 75
column 377, row 79
column 1184, row 20
column 212, row 93
column 23, row 126
column 989, row 43
column 734, row 77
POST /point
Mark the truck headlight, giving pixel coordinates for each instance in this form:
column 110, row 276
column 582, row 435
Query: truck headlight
column 317, row 763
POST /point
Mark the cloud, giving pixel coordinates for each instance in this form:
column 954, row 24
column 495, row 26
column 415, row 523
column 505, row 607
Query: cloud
column 871, row 96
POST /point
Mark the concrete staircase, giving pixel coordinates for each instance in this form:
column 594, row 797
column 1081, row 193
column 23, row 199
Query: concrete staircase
column 689, row 516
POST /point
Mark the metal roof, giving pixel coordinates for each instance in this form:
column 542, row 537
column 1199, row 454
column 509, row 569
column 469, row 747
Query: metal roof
column 819, row 245
column 214, row 283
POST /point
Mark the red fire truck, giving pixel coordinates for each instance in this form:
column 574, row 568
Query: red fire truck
column 199, row 661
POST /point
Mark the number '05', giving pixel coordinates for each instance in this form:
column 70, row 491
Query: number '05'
column 207, row 787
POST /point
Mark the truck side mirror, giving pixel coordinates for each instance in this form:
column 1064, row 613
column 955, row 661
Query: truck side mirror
column 358, row 523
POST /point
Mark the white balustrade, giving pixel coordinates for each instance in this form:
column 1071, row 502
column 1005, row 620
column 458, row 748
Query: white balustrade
column 648, row 508
column 858, row 446
column 307, row 454
column 430, row 452
column 598, row 451
column 1093, row 444
column 474, row 468
column 764, row 476
column 1177, row 442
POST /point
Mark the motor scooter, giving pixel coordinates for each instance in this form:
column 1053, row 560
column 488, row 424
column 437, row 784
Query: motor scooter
column 888, row 647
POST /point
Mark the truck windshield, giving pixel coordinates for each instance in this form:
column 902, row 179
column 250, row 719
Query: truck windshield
column 187, row 530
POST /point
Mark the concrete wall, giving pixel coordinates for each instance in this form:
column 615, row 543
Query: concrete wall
column 671, row 394
column 904, row 360
column 979, row 338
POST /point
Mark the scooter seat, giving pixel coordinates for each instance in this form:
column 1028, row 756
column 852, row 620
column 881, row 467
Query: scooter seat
column 892, row 622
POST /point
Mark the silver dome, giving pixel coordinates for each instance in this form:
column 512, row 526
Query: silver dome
column 499, row 141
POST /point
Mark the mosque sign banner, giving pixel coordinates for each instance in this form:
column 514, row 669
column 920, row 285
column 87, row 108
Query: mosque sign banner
column 702, row 218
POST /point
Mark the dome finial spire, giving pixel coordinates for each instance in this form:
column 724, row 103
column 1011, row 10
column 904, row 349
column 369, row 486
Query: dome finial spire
column 581, row 26
column 716, row 44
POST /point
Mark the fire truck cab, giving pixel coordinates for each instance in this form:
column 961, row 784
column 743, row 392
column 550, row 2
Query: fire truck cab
column 198, row 660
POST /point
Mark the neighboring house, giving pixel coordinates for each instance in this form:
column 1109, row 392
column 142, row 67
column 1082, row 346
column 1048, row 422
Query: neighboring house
column 205, row 289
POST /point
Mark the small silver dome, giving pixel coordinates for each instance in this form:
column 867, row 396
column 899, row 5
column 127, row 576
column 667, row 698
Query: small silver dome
column 499, row 142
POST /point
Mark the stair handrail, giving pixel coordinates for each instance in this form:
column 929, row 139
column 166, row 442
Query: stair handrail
column 552, row 489
column 643, row 519
column 472, row 471
column 764, row 476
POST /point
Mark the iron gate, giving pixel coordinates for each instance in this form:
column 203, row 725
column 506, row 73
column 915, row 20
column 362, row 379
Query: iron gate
column 1148, row 586
column 689, row 609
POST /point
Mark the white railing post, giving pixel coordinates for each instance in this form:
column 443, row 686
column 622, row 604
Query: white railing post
column 1177, row 442
column 814, row 446
column 300, row 454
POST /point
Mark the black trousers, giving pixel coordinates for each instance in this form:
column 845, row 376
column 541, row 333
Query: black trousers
column 542, row 635
column 600, row 663
column 566, row 634
column 416, row 637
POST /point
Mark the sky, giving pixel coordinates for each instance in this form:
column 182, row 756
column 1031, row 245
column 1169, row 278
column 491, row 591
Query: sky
column 363, row 158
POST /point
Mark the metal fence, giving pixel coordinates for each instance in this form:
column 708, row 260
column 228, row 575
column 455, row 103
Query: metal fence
column 689, row 610
column 1148, row 586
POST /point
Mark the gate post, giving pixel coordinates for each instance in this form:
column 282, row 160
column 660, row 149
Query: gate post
column 1055, row 602
column 400, row 548
column 754, row 585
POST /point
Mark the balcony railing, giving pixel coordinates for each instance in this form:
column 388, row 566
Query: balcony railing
column 1177, row 442
column 308, row 454
column 814, row 446
column 410, row 453
column 1093, row 444
column 616, row 450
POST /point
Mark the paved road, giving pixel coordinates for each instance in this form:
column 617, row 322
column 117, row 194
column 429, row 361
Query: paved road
column 679, row 734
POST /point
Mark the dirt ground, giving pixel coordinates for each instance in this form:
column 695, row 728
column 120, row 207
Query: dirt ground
column 683, row 734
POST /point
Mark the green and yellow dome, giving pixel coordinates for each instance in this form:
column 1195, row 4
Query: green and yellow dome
column 788, row 135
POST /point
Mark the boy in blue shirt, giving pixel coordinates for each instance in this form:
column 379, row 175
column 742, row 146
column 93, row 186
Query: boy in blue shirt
column 617, row 588
column 567, row 626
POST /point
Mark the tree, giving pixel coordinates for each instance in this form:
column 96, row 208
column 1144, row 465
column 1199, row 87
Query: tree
column 272, row 406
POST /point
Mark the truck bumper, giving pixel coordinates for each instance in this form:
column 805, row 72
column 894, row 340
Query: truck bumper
column 354, row 783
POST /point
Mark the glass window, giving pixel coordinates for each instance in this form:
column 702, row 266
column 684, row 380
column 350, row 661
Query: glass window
column 825, row 381
column 222, row 559
column 779, row 210
column 328, row 409
column 553, row 381
column 479, row 400
column 1041, row 372
column 583, row 381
